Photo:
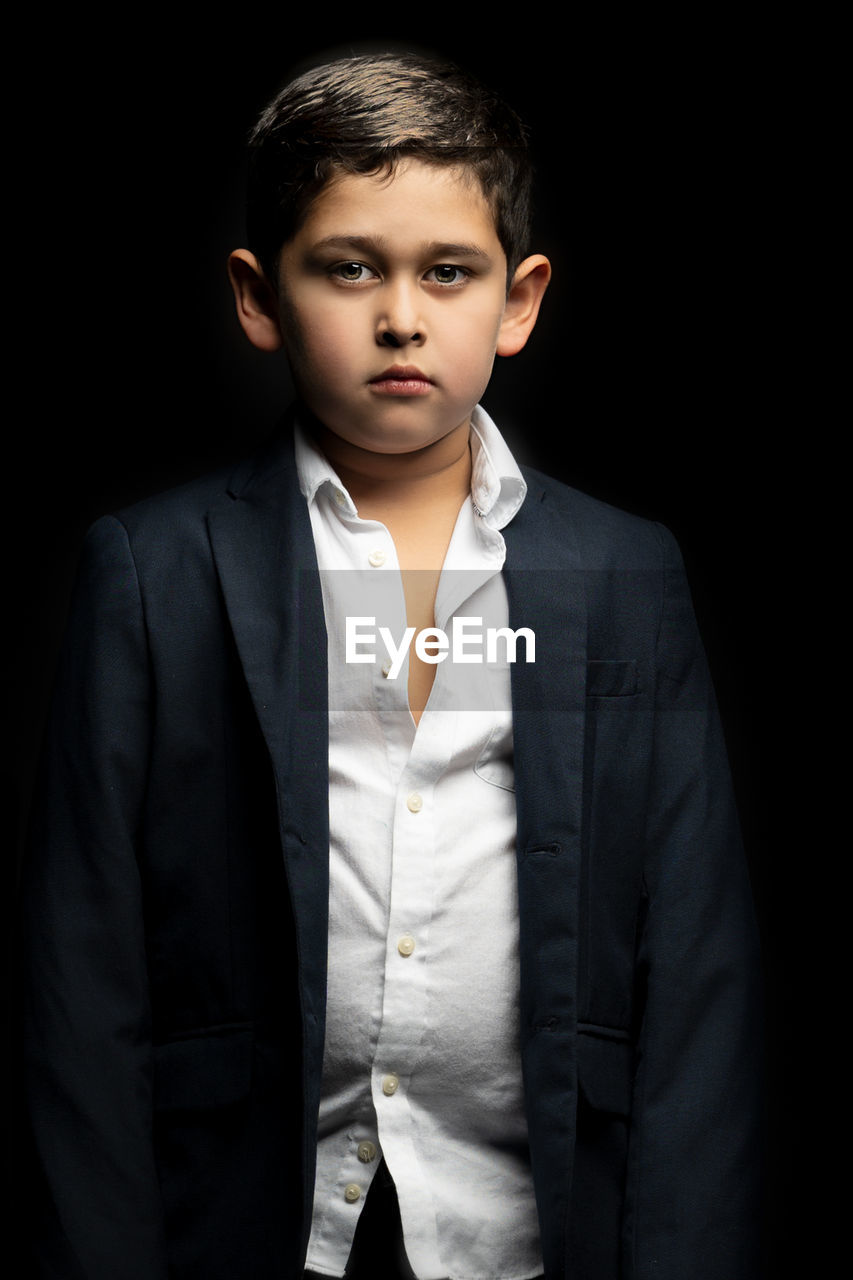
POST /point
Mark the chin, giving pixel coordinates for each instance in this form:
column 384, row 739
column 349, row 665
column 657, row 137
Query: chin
column 394, row 440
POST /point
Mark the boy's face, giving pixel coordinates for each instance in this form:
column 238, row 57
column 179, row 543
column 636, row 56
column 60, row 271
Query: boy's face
column 393, row 302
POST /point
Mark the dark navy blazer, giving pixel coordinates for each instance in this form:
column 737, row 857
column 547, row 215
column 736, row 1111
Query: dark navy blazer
column 175, row 900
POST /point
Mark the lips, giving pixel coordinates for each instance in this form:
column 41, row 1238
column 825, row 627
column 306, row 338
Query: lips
column 401, row 379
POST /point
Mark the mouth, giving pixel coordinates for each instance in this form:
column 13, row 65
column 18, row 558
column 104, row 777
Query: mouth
column 401, row 380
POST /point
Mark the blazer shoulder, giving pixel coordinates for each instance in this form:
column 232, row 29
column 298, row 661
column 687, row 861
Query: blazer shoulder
column 175, row 513
column 182, row 503
column 606, row 535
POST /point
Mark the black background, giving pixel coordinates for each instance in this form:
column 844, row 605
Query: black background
column 659, row 377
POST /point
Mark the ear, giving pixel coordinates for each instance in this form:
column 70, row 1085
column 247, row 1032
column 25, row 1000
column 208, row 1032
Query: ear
column 257, row 305
column 522, row 305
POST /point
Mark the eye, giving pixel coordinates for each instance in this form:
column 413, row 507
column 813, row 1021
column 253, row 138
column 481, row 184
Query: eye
column 446, row 274
column 352, row 272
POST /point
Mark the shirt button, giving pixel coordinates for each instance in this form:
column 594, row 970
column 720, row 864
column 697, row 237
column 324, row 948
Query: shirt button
column 377, row 558
column 406, row 945
column 386, row 668
column 340, row 498
column 390, row 1085
column 352, row 1192
column 415, row 802
column 366, row 1152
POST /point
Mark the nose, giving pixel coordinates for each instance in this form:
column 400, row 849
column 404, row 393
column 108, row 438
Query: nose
column 399, row 322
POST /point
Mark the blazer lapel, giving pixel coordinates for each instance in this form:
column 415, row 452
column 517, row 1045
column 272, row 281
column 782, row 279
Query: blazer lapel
column 546, row 591
column 264, row 552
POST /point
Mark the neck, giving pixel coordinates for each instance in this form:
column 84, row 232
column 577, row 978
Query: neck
column 437, row 474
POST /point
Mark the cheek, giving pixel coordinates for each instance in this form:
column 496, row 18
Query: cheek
column 318, row 343
column 309, row 324
column 471, row 339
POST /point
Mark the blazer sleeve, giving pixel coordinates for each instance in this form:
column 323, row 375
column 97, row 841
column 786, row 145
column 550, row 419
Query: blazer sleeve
column 693, row 1194
column 87, row 1040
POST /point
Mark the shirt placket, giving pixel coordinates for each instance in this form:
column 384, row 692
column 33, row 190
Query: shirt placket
column 405, row 994
column 355, row 587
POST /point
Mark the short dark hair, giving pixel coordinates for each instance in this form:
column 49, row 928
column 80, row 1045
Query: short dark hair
column 362, row 115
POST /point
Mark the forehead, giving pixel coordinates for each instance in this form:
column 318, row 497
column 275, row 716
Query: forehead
column 414, row 201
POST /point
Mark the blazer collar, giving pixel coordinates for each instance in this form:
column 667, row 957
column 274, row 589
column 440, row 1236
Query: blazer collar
column 262, row 544
column 546, row 591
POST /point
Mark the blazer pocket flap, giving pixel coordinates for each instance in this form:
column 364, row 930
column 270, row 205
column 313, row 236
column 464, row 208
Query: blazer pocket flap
column 606, row 679
column 203, row 1071
column 606, row 1073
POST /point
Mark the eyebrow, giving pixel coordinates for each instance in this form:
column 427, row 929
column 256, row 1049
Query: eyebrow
column 378, row 244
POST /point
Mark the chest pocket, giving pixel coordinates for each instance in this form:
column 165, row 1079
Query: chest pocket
column 611, row 679
column 605, row 678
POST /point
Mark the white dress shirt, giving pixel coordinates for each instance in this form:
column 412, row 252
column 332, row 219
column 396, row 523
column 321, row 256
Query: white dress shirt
column 422, row 1059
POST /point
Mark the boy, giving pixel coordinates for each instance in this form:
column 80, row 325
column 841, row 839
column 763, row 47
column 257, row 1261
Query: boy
column 403, row 966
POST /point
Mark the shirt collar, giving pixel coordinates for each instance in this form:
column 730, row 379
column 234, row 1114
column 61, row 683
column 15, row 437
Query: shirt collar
column 315, row 472
column 497, row 486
